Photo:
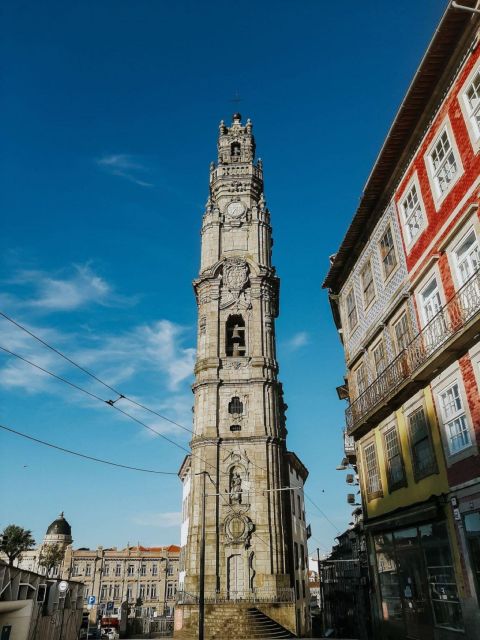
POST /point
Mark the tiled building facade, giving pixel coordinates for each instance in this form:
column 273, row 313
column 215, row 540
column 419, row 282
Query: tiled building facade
column 407, row 305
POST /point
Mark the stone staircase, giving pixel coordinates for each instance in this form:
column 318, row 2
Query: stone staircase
column 234, row 622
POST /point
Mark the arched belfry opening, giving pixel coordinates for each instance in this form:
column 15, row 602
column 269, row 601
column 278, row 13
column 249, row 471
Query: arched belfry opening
column 235, row 336
column 235, row 149
column 235, row 406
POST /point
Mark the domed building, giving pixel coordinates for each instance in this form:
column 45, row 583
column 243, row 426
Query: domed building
column 59, row 532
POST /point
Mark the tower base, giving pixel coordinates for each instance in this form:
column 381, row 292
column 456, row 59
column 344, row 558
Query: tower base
column 237, row 621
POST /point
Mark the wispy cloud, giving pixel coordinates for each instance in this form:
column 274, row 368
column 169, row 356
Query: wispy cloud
column 125, row 166
column 67, row 290
column 159, row 520
column 297, row 341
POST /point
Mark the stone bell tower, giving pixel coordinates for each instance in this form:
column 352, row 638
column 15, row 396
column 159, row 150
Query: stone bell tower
column 239, row 413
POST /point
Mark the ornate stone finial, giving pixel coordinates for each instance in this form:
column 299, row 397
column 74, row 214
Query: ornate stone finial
column 248, row 126
column 222, row 127
column 237, row 118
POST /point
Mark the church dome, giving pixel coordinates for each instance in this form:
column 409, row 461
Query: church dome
column 59, row 527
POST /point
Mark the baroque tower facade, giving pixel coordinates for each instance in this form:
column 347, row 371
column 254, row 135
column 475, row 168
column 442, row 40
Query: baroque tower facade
column 239, row 442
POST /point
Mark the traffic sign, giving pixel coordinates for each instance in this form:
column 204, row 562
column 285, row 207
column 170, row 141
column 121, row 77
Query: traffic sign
column 91, row 599
column 109, row 605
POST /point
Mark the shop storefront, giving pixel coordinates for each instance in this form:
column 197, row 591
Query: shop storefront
column 417, row 590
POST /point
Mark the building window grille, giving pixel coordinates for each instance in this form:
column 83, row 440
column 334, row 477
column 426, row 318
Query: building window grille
column 130, row 570
column 393, row 454
column 116, row 592
column 387, row 251
column 153, row 592
column 142, row 592
column 379, row 357
column 467, row 257
column 455, row 419
column 235, row 427
column 443, row 163
column 170, row 570
column 402, row 333
column 413, row 216
column 352, row 315
column 472, row 100
column 374, row 486
column 106, row 570
column 75, row 570
column 421, row 444
column 118, row 569
column 235, row 338
column 143, row 570
column 368, row 284
column 170, row 590
column 154, row 566
column 235, row 406
column 88, row 570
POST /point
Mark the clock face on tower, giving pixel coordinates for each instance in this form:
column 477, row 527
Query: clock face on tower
column 235, row 210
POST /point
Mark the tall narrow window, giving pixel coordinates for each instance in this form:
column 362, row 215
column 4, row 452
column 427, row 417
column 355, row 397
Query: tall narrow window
column 352, row 316
column 387, row 251
column 235, row 338
column 431, row 302
column 413, row 215
column 393, row 454
column 379, row 357
column 361, row 379
column 374, row 487
column 402, row 333
column 472, row 101
column 367, row 284
column 454, row 419
column 467, row 257
column 106, row 570
column 421, row 444
column 443, row 163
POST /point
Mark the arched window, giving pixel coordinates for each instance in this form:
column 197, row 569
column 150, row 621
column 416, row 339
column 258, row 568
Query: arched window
column 235, row 149
column 235, row 406
column 235, row 336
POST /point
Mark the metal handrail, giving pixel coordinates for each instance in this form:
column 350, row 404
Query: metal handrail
column 450, row 319
column 255, row 595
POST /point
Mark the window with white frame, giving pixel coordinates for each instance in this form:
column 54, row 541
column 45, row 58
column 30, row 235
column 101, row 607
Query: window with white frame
column 352, row 316
column 393, row 455
column 361, row 379
column 472, row 103
column 372, row 473
column 413, row 215
column 454, row 419
column 368, row 285
column 379, row 357
column 402, row 332
column 387, row 252
column 430, row 300
column 467, row 257
column 421, row 444
column 443, row 163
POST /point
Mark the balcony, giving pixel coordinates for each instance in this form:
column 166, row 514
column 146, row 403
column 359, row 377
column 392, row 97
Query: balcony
column 449, row 333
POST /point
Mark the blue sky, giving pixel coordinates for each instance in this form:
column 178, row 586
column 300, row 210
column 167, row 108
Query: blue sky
column 109, row 120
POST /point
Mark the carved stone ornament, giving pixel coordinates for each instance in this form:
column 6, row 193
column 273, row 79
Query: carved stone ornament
column 235, row 211
column 238, row 528
column 235, row 278
column 236, row 364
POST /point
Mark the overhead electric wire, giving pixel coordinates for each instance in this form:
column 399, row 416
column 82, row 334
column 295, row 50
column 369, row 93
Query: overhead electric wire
column 84, row 455
column 124, row 397
column 121, row 396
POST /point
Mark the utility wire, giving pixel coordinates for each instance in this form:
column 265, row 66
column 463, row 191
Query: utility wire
column 120, row 395
column 83, row 455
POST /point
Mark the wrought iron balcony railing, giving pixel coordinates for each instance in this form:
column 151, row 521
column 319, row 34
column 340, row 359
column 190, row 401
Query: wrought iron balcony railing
column 452, row 318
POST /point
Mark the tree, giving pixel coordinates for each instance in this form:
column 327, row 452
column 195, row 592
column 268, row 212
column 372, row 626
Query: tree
column 51, row 556
column 14, row 540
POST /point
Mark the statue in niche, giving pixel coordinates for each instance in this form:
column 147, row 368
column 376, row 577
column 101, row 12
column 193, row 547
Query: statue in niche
column 236, row 488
